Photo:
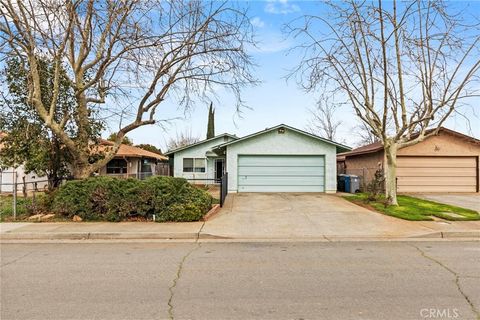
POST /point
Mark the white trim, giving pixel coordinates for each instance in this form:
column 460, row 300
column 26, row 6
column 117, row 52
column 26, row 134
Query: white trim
column 194, row 166
column 200, row 142
column 287, row 127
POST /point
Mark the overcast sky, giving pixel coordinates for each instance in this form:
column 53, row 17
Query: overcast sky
column 274, row 100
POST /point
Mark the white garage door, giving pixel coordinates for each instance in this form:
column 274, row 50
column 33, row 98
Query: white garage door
column 437, row 174
column 281, row 173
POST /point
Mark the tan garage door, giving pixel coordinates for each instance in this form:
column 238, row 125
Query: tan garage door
column 437, row 174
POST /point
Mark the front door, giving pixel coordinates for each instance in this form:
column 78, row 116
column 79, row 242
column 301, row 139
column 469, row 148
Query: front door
column 219, row 168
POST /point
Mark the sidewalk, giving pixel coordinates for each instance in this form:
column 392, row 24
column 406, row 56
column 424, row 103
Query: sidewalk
column 196, row 230
column 99, row 230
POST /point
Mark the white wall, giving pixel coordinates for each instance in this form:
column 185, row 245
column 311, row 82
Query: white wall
column 288, row 143
column 6, row 180
column 198, row 151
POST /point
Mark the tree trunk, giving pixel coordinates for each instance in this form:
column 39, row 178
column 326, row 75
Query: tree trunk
column 390, row 169
column 81, row 171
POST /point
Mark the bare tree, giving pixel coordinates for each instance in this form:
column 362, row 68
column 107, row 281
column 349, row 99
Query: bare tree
column 323, row 121
column 405, row 68
column 365, row 135
column 182, row 139
column 132, row 52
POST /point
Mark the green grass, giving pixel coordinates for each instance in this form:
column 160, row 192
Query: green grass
column 415, row 209
column 6, row 208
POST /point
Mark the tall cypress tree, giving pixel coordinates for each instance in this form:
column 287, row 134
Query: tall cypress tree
column 211, row 122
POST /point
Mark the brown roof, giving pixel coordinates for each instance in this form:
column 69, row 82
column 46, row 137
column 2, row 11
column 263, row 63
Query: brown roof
column 123, row 151
column 378, row 146
column 369, row 148
column 133, row 152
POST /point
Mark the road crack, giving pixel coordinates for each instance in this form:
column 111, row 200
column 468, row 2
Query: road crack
column 178, row 274
column 457, row 280
column 17, row 259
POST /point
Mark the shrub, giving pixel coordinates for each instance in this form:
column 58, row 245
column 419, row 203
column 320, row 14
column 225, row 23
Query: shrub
column 112, row 199
column 375, row 187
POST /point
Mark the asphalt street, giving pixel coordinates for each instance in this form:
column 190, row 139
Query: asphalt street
column 233, row 280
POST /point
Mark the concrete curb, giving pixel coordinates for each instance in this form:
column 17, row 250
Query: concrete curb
column 451, row 234
column 212, row 213
column 207, row 236
column 97, row 236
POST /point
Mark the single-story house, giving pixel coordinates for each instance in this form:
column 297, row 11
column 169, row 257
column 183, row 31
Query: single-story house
column 277, row 159
column 11, row 175
column 134, row 162
column 130, row 161
column 446, row 162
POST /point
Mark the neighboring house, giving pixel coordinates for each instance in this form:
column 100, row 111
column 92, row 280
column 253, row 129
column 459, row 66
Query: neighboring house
column 129, row 162
column 447, row 162
column 134, row 162
column 32, row 181
column 8, row 178
column 278, row 159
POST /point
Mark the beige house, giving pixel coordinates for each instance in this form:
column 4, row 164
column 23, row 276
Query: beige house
column 134, row 162
column 447, row 162
column 129, row 162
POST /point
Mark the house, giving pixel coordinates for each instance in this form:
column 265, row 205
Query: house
column 198, row 161
column 129, row 162
column 134, row 162
column 11, row 175
column 446, row 162
column 277, row 159
column 31, row 180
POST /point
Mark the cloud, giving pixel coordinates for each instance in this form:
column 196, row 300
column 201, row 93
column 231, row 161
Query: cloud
column 281, row 7
column 257, row 22
column 271, row 42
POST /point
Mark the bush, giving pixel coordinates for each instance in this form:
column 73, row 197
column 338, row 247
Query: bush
column 112, row 199
column 375, row 187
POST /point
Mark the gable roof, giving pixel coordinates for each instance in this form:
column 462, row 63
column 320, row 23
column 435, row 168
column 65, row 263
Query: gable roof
column 338, row 145
column 169, row 152
column 133, row 152
column 378, row 146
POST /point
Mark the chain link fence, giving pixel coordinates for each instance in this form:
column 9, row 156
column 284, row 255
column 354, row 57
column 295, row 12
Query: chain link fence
column 366, row 175
column 18, row 195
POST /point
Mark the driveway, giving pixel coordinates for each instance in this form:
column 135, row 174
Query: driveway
column 307, row 215
column 464, row 200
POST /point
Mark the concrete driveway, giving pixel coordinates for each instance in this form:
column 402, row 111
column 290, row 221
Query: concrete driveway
column 305, row 215
column 464, row 200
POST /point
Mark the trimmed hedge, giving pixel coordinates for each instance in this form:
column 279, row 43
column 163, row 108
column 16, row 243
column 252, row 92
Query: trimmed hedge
column 113, row 199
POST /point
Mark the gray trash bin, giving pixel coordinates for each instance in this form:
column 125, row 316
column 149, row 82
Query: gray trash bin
column 354, row 184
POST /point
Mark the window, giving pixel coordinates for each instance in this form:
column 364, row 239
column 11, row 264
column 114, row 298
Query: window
column 193, row 165
column 187, row 165
column 199, row 165
column 116, row 166
column 146, row 166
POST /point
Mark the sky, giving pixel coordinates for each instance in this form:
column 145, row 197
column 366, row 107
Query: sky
column 275, row 100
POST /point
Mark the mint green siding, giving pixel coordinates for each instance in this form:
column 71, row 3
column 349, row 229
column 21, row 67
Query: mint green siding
column 293, row 150
column 281, row 173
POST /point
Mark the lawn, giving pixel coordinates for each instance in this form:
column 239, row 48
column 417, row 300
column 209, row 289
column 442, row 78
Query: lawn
column 6, row 207
column 411, row 208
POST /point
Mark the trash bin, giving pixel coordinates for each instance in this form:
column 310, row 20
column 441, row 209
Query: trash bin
column 347, row 183
column 341, row 182
column 354, row 184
